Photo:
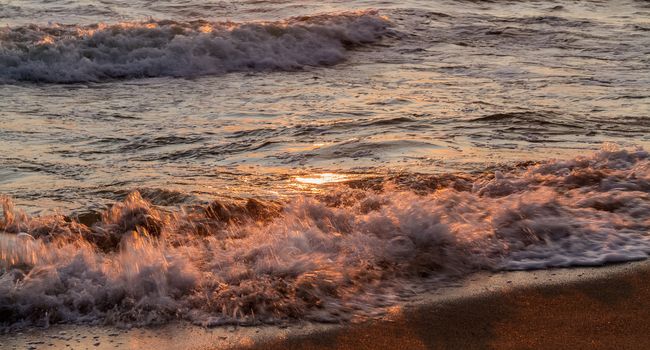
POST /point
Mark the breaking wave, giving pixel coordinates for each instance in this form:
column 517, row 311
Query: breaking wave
column 72, row 53
column 325, row 258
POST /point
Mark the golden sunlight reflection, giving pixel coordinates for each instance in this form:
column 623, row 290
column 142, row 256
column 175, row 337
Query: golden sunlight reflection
column 322, row 179
column 46, row 40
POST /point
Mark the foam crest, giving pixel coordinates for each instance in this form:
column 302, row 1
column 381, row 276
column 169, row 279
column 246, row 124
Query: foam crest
column 324, row 258
column 71, row 53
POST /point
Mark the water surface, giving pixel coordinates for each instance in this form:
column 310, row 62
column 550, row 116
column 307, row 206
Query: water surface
column 268, row 161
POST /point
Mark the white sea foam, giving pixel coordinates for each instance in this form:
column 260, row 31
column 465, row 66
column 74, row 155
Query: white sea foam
column 71, row 53
column 321, row 258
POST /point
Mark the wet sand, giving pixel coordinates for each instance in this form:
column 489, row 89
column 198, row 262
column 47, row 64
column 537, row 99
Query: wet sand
column 578, row 308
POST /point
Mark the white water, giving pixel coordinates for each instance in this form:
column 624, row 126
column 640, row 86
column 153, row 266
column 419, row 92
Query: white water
column 72, row 53
column 324, row 258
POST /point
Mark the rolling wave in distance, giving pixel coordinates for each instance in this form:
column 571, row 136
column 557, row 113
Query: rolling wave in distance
column 94, row 53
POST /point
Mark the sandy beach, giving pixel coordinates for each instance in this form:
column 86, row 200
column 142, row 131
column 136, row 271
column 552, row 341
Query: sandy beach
column 589, row 309
column 577, row 308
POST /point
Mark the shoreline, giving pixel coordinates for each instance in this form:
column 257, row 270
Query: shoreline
column 595, row 307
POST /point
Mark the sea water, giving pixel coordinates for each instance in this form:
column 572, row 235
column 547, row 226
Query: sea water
column 264, row 161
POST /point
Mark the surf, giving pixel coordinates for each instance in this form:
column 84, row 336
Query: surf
column 331, row 257
column 61, row 53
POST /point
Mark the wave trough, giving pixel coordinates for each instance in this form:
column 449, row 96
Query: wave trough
column 324, row 258
column 94, row 53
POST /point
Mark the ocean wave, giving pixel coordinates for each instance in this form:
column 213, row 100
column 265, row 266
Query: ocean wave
column 327, row 257
column 72, row 53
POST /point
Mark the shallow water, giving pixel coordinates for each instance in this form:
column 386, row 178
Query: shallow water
column 448, row 86
column 394, row 138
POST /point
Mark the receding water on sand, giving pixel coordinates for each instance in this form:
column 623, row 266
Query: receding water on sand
column 475, row 288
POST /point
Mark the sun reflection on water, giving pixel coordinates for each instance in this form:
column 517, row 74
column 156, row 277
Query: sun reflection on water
column 322, row 179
